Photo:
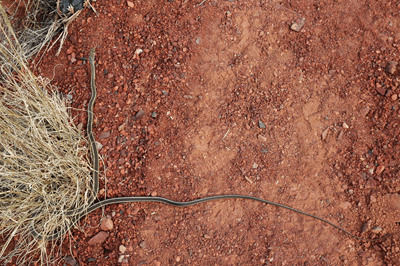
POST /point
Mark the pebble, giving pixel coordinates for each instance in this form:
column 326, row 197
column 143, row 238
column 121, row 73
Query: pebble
column 391, row 66
column 122, row 259
column 262, row 138
column 376, row 229
column 381, row 90
column 99, row 145
column 364, row 111
column 143, row 245
column 153, row 194
column 106, row 224
column 122, row 249
column 140, row 114
column 178, row 259
column 325, row 133
column 69, row 97
column 70, row 260
column 261, row 124
column 298, row 24
column 105, row 135
column 156, row 263
column 153, row 114
column 70, row 50
column 394, row 97
column 130, row 4
column 255, row 165
column 380, row 169
column 372, row 198
column 138, row 51
column 366, row 226
column 99, row 238
column 340, row 135
column 346, row 126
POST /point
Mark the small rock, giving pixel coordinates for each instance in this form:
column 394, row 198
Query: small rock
column 345, row 205
column 121, row 127
column 156, row 263
column 381, row 90
column 366, row 226
column 376, row 229
column 70, row 50
column 325, row 133
column 380, row 169
column 261, row 124
column 99, row 238
column 153, row 114
column 121, row 258
column 99, row 145
column 198, row 40
column 376, row 247
column 140, row 114
column 391, row 66
column 153, row 194
column 105, row 135
column 364, row 111
column 122, row 249
column 351, row 191
column 207, row 236
column 262, row 138
column 106, row 224
column 340, row 135
column 372, row 198
column 178, row 259
column 255, row 165
column 394, row 97
column 298, row 24
column 143, row 244
column 138, row 51
column 165, row 93
column 70, row 260
column 345, row 125
column 69, row 97
column 130, row 4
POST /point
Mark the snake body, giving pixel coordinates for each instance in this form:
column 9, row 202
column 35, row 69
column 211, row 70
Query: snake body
column 77, row 214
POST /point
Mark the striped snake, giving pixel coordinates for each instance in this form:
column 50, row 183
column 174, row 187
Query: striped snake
column 77, row 214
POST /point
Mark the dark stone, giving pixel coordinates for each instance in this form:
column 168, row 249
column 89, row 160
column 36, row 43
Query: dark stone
column 76, row 4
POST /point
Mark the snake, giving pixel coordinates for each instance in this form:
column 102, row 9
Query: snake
column 79, row 213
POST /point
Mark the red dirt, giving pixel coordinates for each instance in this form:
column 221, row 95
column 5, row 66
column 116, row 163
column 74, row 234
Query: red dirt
column 210, row 71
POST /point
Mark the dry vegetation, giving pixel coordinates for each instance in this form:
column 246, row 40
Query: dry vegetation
column 44, row 165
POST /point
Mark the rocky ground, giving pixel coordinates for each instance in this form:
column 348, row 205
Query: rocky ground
column 296, row 102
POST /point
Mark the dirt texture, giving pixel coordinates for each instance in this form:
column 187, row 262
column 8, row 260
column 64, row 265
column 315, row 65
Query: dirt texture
column 201, row 98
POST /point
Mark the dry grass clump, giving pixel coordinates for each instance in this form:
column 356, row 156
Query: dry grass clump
column 36, row 22
column 44, row 166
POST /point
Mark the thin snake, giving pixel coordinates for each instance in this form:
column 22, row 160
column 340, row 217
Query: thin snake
column 77, row 214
